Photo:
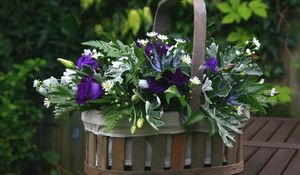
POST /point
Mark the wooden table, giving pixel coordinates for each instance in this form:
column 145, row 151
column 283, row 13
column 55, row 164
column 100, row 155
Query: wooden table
column 272, row 146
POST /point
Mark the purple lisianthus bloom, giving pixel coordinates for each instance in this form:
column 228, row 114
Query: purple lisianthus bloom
column 177, row 78
column 88, row 89
column 212, row 64
column 157, row 86
column 148, row 49
column 87, row 60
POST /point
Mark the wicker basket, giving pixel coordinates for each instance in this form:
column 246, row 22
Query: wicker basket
column 177, row 153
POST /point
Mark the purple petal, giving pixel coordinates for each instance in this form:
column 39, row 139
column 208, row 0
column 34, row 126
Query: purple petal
column 88, row 89
column 156, row 86
column 87, row 60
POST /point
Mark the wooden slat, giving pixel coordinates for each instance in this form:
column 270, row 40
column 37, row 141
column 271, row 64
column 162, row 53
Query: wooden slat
column 267, row 131
column 231, row 153
column 294, row 137
column 272, row 144
column 240, row 148
column 102, row 152
column 253, row 128
column 293, row 168
column 138, row 153
column 217, row 151
column 258, row 160
column 248, row 152
column 283, row 132
column 279, row 161
column 86, row 147
column 178, row 151
column 159, row 148
column 198, row 150
column 118, row 153
column 92, row 149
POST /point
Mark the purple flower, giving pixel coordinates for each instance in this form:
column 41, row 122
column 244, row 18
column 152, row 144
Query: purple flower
column 88, row 89
column 156, row 86
column 212, row 64
column 177, row 78
column 148, row 49
column 87, row 60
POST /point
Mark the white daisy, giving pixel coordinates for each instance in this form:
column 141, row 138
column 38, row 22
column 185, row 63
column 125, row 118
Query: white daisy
column 195, row 80
column 240, row 110
column 273, row 92
column 262, row 81
column 143, row 41
column 87, row 52
column 96, row 54
column 179, row 40
column 237, row 52
column 186, row 59
column 256, row 42
column 151, row 34
column 247, row 42
column 36, row 83
column 248, row 52
column 162, row 37
column 107, row 85
column 47, row 102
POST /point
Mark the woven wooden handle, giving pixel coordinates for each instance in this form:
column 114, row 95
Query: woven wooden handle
column 198, row 40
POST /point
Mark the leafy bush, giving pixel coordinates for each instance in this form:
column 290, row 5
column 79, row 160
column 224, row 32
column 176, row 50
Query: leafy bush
column 19, row 117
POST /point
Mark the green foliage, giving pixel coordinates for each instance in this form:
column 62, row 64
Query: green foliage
column 284, row 96
column 61, row 26
column 19, row 118
column 236, row 10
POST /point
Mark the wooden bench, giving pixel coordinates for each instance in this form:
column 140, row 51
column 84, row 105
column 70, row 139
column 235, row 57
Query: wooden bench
column 272, row 146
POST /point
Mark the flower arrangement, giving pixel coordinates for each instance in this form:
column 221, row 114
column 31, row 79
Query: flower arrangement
column 149, row 77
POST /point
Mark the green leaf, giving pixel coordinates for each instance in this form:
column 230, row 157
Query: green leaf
column 172, row 92
column 134, row 21
column 259, row 8
column 147, row 17
column 245, row 11
column 230, row 18
column 224, row 7
column 235, row 3
column 253, row 102
column 195, row 117
column 213, row 129
column 221, row 87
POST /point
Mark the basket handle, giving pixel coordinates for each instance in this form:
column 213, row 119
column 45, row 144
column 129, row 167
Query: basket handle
column 199, row 39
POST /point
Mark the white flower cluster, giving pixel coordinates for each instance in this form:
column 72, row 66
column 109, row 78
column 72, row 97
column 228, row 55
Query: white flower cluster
column 94, row 53
column 48, row 85
column 255, row 43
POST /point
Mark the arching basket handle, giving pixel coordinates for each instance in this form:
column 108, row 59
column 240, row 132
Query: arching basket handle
column 198, row 40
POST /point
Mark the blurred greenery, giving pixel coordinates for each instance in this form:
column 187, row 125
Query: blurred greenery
column 55, row 28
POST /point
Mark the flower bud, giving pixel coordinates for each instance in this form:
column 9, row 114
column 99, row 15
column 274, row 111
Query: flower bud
column 66, row 63
column 133, row 129
column 140, row 122
column 135, row 98
column 229, row 66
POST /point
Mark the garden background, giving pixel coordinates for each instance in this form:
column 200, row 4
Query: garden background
column 33, row 34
